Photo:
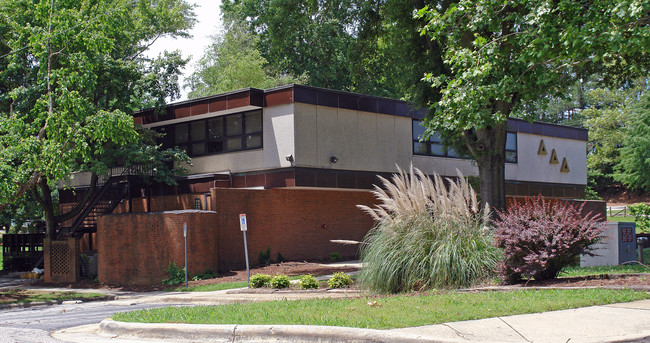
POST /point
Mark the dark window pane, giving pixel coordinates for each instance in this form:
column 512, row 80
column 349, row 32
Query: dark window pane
column 418, row 130
column 215, row 128
column 435, row 137
column 180, row 133
column 452, row 153
column 511, row 156
column 420, row 148
column 234, row 125
column 197, row 130
column 253, row 121
column 511, row 141
column 215, row 147
column 438, row 149
column 253, row 141
column 198, row 149
column 233, row 144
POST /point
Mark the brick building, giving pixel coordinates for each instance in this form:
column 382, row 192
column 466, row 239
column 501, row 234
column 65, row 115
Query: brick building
column 297, row 160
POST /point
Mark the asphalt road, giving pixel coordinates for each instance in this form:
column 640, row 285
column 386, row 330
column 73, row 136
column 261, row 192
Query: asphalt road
column 34, row 324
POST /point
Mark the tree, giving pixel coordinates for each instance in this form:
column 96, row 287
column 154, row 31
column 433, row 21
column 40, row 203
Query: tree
column 232, row 62
column 499, row 55
column 72, row 73
column 634, row 169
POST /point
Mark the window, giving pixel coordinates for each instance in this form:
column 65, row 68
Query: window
column 434, row 146
column 233, row 132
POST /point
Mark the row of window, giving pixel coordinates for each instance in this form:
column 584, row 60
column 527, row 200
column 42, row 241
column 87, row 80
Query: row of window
column 434, row 146
column 229, row 133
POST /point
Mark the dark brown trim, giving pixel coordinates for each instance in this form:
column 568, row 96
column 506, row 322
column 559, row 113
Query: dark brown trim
column 331, row 98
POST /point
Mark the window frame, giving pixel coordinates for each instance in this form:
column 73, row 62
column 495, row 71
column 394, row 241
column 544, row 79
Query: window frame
column 170, row 135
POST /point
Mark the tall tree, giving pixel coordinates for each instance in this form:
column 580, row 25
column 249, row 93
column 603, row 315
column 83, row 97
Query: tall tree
column 634, row 169
column 500, row 54
column 72, row 74
column 233, row 61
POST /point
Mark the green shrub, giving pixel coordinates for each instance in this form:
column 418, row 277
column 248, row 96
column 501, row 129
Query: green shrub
column 280, row 281
column 176, row 275
column 430, row 234
column 339, row 280
column 281, row 258
column 308, row 282
column 260, row 280
column 335, row 257
column 641, row 213
column 265, row 257
column 207, row 274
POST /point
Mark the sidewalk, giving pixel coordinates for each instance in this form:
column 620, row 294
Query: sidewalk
column 627, row 322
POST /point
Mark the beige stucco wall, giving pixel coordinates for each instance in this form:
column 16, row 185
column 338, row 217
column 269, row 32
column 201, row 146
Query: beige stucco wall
column 360, row 140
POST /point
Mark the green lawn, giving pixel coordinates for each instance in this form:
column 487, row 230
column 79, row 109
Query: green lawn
column 27, row 296
column 213, row 287
column 628, row 268
column 386, row 312
column 620, row 219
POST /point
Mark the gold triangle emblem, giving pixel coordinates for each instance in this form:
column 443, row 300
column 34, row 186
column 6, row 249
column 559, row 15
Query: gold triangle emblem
column 554, row 159
column 542, row 148
column 565, row 166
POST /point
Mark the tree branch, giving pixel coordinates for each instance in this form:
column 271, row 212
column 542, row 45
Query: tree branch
column 22, row 189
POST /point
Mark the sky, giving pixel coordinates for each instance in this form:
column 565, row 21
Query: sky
column 208, row 23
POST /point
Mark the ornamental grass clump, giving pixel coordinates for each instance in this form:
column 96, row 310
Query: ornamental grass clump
column 429, row 234
column 541, row 237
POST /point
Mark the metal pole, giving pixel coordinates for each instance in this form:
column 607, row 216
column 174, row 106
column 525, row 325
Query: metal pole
column 248, row 269
column 185, row 237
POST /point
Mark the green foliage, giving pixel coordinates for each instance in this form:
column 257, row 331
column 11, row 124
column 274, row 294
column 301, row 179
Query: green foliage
column 176, row 274
column 213, row 287
column 339, row 280
column 641, row 213
column 280, row 281
column 335, row 256
column 498, row 56
column 207, row 274
column 260, row 280
column 265, row 257
column 308, row 282
column 281, row 258
column 634, row 169
column 71, row 75
column 233, row 62
column 603, row 270
column 428, row 235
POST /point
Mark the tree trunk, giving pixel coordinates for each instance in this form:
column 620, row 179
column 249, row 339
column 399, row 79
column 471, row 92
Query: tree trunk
column 490, row 157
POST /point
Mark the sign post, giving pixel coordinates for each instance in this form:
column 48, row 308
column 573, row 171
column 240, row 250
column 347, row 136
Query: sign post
column 244, row 227
column 185, row 238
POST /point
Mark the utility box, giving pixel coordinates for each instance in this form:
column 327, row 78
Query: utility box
column 617, row 247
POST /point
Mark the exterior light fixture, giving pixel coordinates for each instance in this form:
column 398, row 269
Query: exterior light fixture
column 334, row 159
column 289, row 158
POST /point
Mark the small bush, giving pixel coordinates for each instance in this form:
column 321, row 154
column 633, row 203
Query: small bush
column 280, row 281
column 260, row 280
column 207, row 274
column 308, row 282
column 641, row 213
column 430, row 233
column 541, row 237
column 265, row 257
column 339, row 280
column 335, row 257
column 281, row 258
column 176, row 275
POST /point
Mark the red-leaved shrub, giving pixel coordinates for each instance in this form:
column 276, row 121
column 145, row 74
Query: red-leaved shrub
column 541, row 237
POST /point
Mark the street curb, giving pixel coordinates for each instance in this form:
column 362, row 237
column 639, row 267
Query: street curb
column 256, row 333
column 54, row 302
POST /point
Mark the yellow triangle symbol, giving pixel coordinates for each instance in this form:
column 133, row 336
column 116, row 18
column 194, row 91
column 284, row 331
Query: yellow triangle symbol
column 542, row 148
column 565, row 166
column 554, row 159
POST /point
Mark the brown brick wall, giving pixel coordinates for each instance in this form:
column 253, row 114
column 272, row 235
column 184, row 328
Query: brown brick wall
column 136, row 248
column 297, row 223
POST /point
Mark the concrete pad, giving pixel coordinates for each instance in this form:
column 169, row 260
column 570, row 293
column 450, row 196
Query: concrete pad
column 590, row 324
column 483, row 330
column 640, row 305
